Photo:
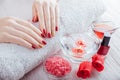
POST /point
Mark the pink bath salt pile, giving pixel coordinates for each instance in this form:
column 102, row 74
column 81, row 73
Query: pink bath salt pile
column 57, row 66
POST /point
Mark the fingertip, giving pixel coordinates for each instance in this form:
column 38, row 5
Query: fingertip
column 44, row 32
column 56, row 28
column 42, row 35
column 43, row 42
column 49, row 35
column 35, row 19
column 40, row 46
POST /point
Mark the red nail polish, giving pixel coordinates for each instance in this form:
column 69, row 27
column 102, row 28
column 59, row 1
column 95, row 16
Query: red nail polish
column 49, row 35
column 56, row 28
column 98, row 62
column 35, row 19
column 44, row 42
column 33, row 46
column 104, row 48
column 44, row 32
column 43, row 35
column 85, row 69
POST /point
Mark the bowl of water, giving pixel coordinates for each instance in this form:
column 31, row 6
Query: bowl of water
column 81, row 46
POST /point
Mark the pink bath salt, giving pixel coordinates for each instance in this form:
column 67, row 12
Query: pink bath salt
column 57, row 66
column 81, row 43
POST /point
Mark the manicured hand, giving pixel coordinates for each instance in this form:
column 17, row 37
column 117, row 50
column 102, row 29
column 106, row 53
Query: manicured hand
column 46, row 12
column 18, row 31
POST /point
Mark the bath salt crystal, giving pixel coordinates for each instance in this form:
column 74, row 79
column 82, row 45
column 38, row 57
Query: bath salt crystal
column 57, row 66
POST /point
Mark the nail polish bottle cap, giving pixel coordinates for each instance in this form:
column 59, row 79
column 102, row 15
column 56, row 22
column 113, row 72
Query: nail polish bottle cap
column 106, row 39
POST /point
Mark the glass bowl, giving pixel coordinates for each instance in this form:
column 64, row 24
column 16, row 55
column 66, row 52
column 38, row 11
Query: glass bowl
column 81, row 46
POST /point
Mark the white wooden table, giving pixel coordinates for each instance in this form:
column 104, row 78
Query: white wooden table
column 112, row 63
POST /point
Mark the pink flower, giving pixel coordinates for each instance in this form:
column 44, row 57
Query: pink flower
column 85, row 69
column 98, row 62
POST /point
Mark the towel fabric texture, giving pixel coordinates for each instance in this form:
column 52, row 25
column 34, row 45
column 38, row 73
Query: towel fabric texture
column 75, row 16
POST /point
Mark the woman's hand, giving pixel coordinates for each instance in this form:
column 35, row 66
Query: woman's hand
column 15, row 30
column 46, row 11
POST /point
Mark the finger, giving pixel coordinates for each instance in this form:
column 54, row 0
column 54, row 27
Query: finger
column 40, row 13
column 52, row 18
column 17, row 40
column 29, row 32
column 47, row 18
column 31, row 26
column 34, row 13
column 56, row 17
column 24, row 36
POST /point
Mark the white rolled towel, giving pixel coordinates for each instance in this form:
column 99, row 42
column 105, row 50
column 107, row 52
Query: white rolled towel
column 15, row 61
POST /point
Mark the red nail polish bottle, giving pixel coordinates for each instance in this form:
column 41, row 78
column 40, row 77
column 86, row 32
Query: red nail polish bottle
column 98, row 59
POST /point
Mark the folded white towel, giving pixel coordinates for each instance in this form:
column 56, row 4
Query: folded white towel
column 76, row 15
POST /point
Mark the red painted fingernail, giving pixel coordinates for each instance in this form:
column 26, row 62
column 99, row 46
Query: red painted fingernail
column 56, row 28
column 44, row 42
column 33, row 46
column 44, row 32
column 35, row 19
column 49, row 35
column 43, row 35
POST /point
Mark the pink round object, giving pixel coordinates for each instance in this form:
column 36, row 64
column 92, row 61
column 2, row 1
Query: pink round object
column 57, row 66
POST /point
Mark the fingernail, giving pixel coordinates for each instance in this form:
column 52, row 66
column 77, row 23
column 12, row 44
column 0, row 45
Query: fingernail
column 49, row 35
column 56, row 28
column 34, row 47
column 44, row 32
column 44, row 42
column 43, row 35
column 35, row 19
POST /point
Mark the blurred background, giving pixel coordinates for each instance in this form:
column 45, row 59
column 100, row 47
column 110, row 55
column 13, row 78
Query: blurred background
column 113, row 9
